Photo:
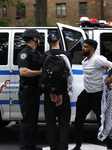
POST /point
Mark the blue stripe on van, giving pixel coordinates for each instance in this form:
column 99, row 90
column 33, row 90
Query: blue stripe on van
column 16, row 102
column 73, row 104
column 16, row 72
column 77, row 72
column 80, row 72
column 5, row 102
column 7, row 72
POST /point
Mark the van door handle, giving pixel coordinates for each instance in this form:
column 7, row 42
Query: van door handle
column 11, row 101
column 11, row 70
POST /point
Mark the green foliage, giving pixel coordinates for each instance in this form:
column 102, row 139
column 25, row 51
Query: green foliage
column 51, row 23
column 5, row 23
column 30, row 22
column 20, row 4
column 11, row 2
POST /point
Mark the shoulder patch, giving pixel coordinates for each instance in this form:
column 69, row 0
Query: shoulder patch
column 23, row 56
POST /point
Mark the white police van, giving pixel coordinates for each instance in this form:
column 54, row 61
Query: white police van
column 72, row 38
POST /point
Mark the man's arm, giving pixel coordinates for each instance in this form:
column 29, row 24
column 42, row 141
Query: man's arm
column 29, row 73
column 102, row 61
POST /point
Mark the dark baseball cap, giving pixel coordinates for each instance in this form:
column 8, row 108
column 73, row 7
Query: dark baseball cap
column 53, row 37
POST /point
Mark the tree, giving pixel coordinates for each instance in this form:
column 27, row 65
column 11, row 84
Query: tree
column 102, row 10
column 41, row 12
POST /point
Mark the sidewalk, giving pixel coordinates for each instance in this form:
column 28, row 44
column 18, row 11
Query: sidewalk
column 85, row 146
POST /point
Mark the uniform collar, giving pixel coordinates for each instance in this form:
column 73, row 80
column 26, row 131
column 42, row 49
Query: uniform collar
column 30, row 48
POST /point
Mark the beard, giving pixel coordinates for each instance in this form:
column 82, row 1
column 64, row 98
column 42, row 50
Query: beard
column 85, row 53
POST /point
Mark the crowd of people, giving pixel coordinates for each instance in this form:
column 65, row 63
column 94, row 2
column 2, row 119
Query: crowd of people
column 95, row 96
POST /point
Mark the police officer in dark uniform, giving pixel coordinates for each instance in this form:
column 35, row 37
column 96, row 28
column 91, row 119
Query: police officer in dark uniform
column 29, row 97
column 63, row 109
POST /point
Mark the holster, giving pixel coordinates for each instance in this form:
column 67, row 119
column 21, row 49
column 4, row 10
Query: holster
column 24, row 89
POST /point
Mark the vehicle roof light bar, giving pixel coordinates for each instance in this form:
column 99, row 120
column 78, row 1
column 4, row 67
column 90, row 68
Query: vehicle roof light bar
column 88, row 23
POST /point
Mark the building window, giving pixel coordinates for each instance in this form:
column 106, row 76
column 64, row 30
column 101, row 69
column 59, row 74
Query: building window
column 4, row 10
column 60, row 10
column 83, row 9
column 20, row 12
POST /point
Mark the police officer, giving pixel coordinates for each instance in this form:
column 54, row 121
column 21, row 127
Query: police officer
column 29, row 97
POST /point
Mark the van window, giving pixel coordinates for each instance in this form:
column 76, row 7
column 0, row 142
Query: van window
column 106, row 45
column 73, row 41
column 4, row 48
column 19, row 44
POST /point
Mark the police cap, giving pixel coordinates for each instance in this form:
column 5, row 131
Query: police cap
column 53, row 37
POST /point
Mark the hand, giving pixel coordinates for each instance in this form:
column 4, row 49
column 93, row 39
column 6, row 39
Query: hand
column 59, row 100
column 110, row 87
column 56, row 98
column 53, row 97
column 106, row 68
column 108, row 81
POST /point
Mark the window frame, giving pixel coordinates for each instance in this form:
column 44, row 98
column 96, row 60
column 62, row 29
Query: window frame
column 20, row 12
column 61, row 10
column 5, row 10
column 82, row 11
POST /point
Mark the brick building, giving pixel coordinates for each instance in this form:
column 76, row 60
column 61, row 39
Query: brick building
column 70, row 11
column 24, row 16
column 63, row 11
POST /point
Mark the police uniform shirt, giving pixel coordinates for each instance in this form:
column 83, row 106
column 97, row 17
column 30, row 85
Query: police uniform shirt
column 29, row 59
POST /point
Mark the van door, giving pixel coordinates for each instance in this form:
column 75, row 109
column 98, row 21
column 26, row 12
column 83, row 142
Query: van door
column 5, row 42
column 17, row 45
column 72, row 39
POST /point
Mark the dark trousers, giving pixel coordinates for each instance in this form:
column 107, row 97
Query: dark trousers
column 109, row 143
column 85, row 103
column 29, row 105
column 62, row 113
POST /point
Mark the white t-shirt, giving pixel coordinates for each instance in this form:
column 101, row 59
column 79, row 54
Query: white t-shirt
column 93, row 72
